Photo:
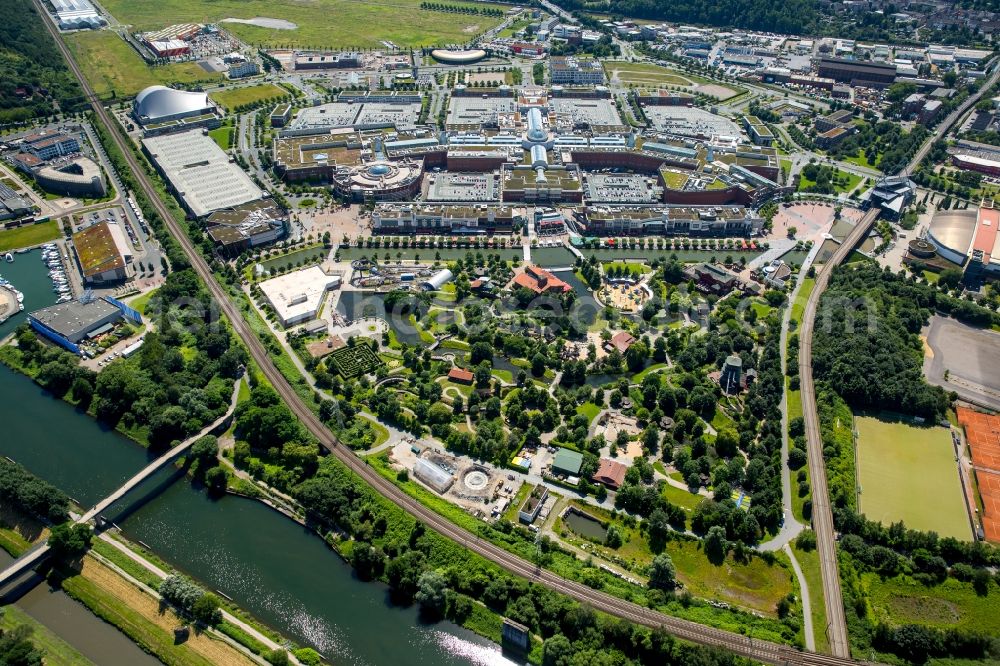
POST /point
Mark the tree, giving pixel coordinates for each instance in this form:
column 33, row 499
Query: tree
column 431, row 593
column 16, row 648
column 614, row 538
column 206, row 609
column 716, row 544
column 662, row 573
column 68, row 540
column 557, row 651
column 659, row 530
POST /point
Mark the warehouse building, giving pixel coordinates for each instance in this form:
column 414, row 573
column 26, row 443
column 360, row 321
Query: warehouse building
column 201, row 174
column 76, row 14
column 858, row 73
column 66, row 324
column 103, row 254
column 297, row 296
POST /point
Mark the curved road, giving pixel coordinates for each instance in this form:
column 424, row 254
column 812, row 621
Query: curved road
column 747, row 646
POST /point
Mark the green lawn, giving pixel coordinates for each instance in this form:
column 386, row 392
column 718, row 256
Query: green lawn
column 590, row 410
column 28, row 235
column 115, row 69
column 655, row 367
column 908, row 473
column 318, row 23
column 682, row 498
column 141, row 302
column 799, row 306
column 57, row 651
column 221, row 136
column 236, row 97
column 952, row 604
column 644, row 74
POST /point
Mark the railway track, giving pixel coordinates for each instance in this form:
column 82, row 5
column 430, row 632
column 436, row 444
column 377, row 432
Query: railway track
column 764, row 651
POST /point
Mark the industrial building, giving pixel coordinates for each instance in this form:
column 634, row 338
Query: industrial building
column 305, row 61
column 245, row 226
column 103, row 254
column 159, row 104
column 66, row 324
column 202, row 175
column 76, row 14
column 296, row 297
column 857, row 72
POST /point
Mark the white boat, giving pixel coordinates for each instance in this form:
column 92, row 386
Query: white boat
column 9, row 257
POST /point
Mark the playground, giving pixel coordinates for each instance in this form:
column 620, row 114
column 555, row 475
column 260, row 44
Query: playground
column 908, row 472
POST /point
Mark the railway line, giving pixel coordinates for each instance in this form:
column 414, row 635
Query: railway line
column 760, row 650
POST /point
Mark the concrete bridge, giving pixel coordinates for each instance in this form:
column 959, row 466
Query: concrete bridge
column 37, row 554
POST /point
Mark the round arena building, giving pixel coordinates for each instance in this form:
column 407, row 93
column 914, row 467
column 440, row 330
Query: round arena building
column 454, row 57
column 952, row 232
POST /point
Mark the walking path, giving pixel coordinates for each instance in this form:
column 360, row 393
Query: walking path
column 807, row 620
column 162, row 575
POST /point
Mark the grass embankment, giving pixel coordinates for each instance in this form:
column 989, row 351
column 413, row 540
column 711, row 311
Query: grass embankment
column 28, row 235
column 232, row 98
column 139, row 616
column 809, row 563
column 115, row 69
column 57, row 652
column 799, row 305
column 317, row 24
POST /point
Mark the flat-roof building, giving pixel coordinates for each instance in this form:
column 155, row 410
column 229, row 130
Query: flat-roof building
column 66, row 324
column 103, row 253
column 248, row 225
column 858, row 73
column 203, row 176
column 570, row 69
column 297, row 296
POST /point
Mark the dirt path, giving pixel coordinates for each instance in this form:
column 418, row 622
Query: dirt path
column 214, row 650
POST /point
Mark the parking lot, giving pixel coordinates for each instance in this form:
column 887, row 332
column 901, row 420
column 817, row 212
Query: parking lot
column 963, row 359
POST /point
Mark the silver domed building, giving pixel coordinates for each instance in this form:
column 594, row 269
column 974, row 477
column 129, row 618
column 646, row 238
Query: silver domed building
column 159, row 104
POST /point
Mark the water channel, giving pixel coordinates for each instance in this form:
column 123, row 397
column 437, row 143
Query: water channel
column 277, row 570
column 29, row 275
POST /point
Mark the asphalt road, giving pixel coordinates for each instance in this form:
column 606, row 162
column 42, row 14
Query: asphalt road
column 747, row 646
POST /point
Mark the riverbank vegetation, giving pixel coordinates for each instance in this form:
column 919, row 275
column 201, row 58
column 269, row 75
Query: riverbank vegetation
column 25, row 491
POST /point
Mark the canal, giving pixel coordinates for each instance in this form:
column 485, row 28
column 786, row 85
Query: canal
column 281, row 573
column 30, row 276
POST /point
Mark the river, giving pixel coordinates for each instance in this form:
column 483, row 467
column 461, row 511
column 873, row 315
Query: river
column 281, row 573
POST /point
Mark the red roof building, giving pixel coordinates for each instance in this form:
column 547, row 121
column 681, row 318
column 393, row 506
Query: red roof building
column 541, row 281
column 610, row 473
column 460, row 376
column 622, row 340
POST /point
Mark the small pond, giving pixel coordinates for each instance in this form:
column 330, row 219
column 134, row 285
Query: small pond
column 585, row 525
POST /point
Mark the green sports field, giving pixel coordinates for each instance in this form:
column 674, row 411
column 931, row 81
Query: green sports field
column 318, row 23
column 908, row 473
column 232, row 98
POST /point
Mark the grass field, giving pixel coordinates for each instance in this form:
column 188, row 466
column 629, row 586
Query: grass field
column 908, row 473
column 28, row 235
column 114, row 68
column 952, row 604
column 590, row 410
column 644, row 74
column 221, row 136
column 799, row 306
column 319, row 23
column 236, row 97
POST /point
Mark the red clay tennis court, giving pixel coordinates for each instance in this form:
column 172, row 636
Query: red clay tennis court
column 982, row 431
